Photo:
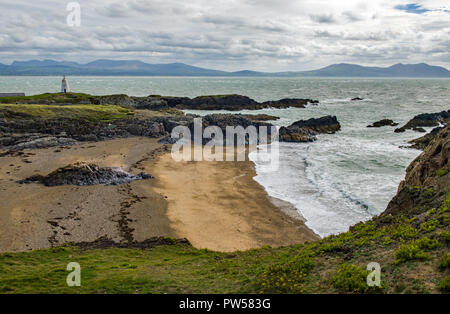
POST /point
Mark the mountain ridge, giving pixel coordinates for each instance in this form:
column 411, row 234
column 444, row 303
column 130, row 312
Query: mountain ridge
column 109, row 67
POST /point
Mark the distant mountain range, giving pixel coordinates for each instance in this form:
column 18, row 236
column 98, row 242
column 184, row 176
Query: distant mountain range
column 139, row 68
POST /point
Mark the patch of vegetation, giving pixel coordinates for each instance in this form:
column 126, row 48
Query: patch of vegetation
column 286, row 277
column 442, row 172
column 444, row 285
column 91, row 113
column 407, row 252
column 351, row 278
column 58, row 98
column 172, row 112
column 444, row 262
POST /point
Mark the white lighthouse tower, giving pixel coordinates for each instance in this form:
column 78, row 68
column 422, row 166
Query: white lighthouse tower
column 65, row 85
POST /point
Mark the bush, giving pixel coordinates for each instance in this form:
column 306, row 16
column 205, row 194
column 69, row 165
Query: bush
column 350, row 278
column 444, row 285
column 430, row 225
column 286, row 278
column 404, row 231
column 442, row 172
column 427, row 243
column 444, row 236
column 406, row 252
column 445, row 261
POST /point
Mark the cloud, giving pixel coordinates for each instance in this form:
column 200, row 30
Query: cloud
column 260, row 35
column 323, row 18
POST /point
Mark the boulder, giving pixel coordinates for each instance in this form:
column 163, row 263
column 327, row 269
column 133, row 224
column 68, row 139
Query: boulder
column 305, row 130
column 424, row 141
column 290, row 102
column 381, row 123
column 86, row 174
column 426, row 120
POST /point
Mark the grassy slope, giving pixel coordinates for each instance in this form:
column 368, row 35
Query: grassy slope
column 85, row 112
column 413, row 259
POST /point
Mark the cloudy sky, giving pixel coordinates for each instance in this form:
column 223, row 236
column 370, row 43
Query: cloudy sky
column 264, row 35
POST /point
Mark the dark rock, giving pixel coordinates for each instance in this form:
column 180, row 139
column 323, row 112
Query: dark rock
column 424, row 141
column 290, row 102
column 167, row 140
column 426, row 120
column 233, row 102
column 305, row 130
column 31, row 133
column 297, row 135
column 260, row 117
column 33, row 140
column 382, row 122
column 86, row 174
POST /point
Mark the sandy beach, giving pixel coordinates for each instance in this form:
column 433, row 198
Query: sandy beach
column 215, row 205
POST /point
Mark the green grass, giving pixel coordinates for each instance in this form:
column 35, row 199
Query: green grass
column 90, row 113
column 168, row 269
column 48, row 97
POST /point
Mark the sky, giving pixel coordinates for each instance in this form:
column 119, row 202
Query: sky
column 261, row 35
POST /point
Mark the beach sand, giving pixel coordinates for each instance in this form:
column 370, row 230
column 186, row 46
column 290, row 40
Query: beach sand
column 218, row 206
column 215, row 205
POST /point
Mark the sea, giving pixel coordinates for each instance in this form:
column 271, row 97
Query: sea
column 334, row 182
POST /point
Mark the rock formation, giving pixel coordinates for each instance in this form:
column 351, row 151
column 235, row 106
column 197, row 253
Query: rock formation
column 426, row 179
column 426, row 120
column 86, row 174
column 381, row 123
column 305, row 130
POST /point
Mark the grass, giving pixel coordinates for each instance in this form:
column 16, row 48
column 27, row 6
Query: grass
column 48, row 97
column 91, row 113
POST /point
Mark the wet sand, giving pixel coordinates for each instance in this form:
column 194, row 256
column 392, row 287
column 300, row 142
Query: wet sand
column 35, row 216
column 218, row 206
column 215, row 205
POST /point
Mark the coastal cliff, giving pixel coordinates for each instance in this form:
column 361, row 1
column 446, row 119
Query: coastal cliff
column 427, row 178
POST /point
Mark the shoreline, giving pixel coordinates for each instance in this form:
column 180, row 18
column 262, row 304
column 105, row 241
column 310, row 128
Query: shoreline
column 245, row 216
column 219, row 206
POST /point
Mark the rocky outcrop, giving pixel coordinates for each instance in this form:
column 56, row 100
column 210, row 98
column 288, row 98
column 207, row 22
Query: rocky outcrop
column 260, row 117
column 34, row 140
column 427, row 178
column 381, row 123
column 232, row 102
column 231, row 120
column 86, row 174
column 306, row 130
column 426, row 120
column 32, row 133
column 424, row 141
column 290, row 102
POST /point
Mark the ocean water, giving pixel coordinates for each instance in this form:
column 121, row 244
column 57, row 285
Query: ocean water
column 334, row 182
